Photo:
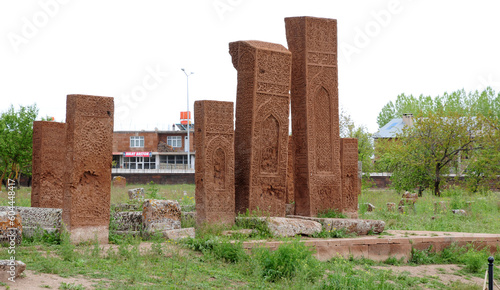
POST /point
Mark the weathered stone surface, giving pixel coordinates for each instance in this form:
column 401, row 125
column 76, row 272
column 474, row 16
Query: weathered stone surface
column 410, row 195
column 243, row 232
column 119, row 181
column 407, row 201
column 11, row 269
column 87, row 180
column 391, row 206
column 287, row 227
column 136, row 193
column 289, row 173
column 349, row 176
column 214, row 174
column 261, row 133
column 369, row 206
column 357, row 226
column 37, row 218
column 160, row 215
column 49, row 144
column 459, row 212
column 315, row 119
column 178, row 234
column 290, row 208
column 11, row 231
column 127, row 221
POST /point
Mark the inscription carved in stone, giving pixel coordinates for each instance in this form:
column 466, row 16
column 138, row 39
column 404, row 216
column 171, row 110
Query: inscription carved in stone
column 261, row 134
column 214, row 174
column 315, row 121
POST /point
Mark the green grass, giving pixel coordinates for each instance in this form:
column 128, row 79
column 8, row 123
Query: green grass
column 483, row 214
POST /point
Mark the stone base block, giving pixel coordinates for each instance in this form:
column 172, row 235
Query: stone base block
column 136, row 193
column 89, row 234
column 161, row 215
column 287, row 227
column 357, row 226
column 10, row 270
column 127, row 221
column 11, row 229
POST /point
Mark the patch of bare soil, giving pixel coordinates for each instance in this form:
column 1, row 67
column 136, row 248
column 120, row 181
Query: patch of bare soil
column 446, row 274
column 32, row 280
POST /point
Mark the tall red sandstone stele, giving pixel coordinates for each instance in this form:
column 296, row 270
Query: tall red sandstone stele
column 87, row 188
column 49, row 143
column 349, row 176
column 315, row 120
column 214, row 174
column 261, row 133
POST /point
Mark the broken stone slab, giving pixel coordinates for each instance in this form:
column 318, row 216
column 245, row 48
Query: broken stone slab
column 407, row 201
column 358, row 226
column 369, row 206
column 286, row 227
column 459, row 212
column 36, row 219
column 243, row 232
column 178, row 234
column 11, row 269
column 127, row 221
column 11, row 228
column 410, row 195
column 391, row 206
column 136, row 193
column 119, row 181
column 161, row 215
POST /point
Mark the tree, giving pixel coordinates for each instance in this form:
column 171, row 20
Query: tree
column 16, row 141
column 423, row 153
column 485, row 103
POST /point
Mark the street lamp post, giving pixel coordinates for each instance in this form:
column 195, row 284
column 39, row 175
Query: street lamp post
column 189, row 116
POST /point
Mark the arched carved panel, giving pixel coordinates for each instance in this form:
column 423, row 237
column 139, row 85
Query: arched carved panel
column 322, row 129
column 219, row 163
column 269, row 145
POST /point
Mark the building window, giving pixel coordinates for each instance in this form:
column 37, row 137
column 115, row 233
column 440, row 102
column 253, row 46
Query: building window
column 139, row 162
column 174, row 141
column 136, row 141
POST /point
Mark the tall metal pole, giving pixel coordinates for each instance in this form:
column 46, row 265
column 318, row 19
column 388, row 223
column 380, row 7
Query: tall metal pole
column 490, row 273
column 189, row 117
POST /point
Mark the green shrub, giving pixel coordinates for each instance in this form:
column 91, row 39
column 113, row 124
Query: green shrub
column 423, row 257
column 231, row 252
column 152, row 191
column 287, row 261
column 475, row 261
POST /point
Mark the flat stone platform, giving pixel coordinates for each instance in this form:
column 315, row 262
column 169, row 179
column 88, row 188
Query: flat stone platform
column 393, row 243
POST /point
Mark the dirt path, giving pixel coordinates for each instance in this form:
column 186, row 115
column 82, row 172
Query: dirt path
column 48, row 281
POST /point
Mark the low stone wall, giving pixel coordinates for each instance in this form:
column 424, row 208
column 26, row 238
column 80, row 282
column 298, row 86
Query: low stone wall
column 33, row 218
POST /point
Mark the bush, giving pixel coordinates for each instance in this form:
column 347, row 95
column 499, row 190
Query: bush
column 218, row 248
column 287, row 261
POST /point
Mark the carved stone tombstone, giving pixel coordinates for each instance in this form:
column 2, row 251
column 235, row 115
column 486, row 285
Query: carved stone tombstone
column 87, row 188
column 261, row 134
column 214, row 174
column 49, row 143
column 349, row 173
column 315, row 120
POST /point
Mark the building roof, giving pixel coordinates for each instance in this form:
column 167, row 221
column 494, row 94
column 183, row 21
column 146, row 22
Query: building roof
column 390, row 129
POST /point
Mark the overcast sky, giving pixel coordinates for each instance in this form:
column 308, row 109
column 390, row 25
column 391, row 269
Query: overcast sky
column 134, row 51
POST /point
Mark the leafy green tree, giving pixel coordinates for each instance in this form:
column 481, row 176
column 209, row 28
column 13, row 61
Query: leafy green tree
column 423, row 153
column 486, row 103
column 16, row 141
